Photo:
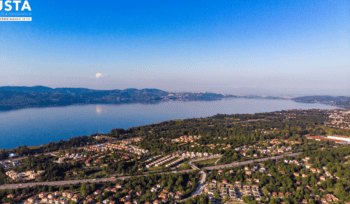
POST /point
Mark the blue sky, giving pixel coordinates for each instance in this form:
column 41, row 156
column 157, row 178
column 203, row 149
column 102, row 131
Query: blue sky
column 253, row 47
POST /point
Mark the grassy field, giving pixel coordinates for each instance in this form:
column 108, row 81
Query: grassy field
column 184, row 166
column 204, row 163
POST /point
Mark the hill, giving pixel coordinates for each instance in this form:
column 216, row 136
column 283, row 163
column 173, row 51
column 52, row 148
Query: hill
column 14, row 97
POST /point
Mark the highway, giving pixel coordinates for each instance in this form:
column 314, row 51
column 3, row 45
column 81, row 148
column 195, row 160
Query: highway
column 249, row 162
column 59, row 183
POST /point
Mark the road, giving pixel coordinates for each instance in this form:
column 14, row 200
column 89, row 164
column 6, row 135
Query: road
column 249, row 162
column 216, row 162
column 58, row 183
column 206, row 158
column 200, row 184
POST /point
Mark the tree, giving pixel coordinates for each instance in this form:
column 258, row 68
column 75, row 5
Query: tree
column 216, row 195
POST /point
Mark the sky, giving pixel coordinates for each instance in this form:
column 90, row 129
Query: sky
column 284, row 47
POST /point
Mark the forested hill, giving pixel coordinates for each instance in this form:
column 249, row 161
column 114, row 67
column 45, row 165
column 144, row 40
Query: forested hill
column 40, row 96
column 340, row 101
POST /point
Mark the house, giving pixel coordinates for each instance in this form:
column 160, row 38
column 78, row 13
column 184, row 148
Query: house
column 162, row 195
column 118, row 186
column 12, row 155
column 64, row 201
column 220, row 172
column 98, row 192
column 322, row 178
column 296, row 174
column 90, row 200
column 42, row 195
column 280, row 195
column 248, row 173
column 70, row 195
column 57, row 193
column 304, row 175
column 76, row 198
column 156, row 202
column 171, row 194
column 212, row 185
column 178, row 194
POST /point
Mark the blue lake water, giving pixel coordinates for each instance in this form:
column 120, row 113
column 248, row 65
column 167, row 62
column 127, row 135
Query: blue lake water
column 36, row 126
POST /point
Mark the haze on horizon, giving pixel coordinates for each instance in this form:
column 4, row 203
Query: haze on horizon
column 243, row 47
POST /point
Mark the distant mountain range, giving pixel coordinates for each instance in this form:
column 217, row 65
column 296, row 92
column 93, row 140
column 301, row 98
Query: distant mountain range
column 39, row 96
column 16, row 97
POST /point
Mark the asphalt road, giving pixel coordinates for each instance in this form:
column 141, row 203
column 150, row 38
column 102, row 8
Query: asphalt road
column 248, row 162
column 200, row 185
column 59, row 183
column 205, row 158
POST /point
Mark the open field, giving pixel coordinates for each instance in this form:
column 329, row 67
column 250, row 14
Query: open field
column 203, row 163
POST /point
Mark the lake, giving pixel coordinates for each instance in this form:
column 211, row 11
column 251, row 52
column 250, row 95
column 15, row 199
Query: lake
column 36, row 126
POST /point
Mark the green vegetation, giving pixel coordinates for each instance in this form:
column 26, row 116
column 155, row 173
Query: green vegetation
column 170, row 182
column 204, row 163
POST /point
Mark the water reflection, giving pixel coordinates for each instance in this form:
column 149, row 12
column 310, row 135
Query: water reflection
column 32, row 126
column 98, row 110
